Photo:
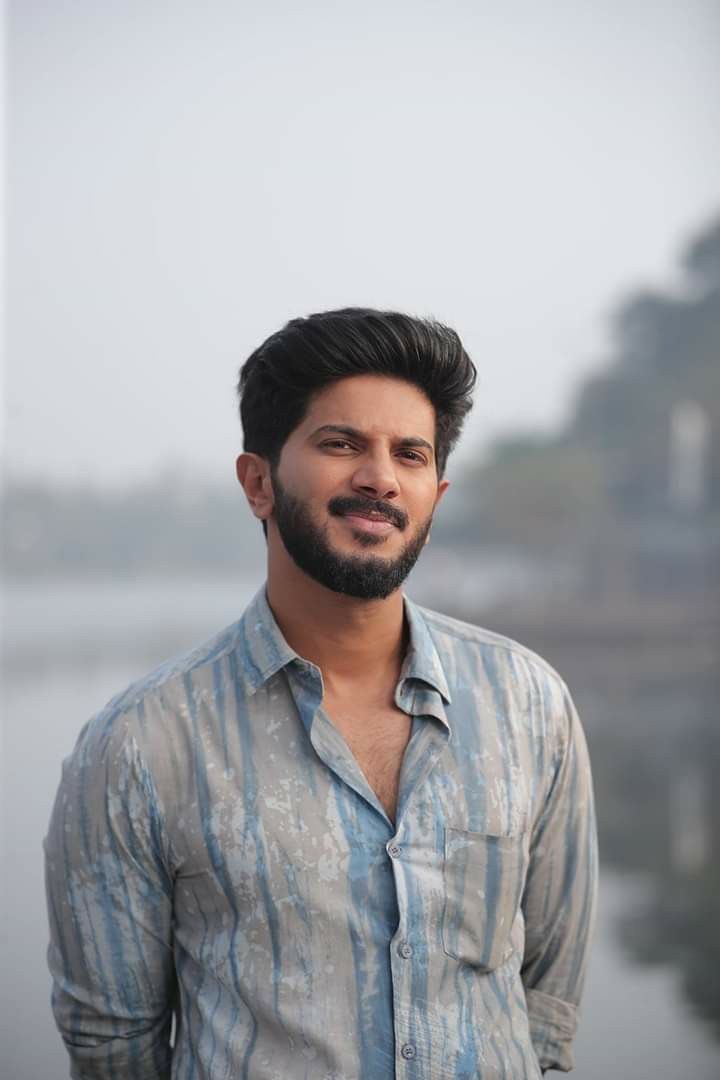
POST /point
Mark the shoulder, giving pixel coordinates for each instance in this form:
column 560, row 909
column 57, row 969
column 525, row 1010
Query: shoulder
column 489, row 671
column 161, row 700
column 453, row 637
column 493, row 672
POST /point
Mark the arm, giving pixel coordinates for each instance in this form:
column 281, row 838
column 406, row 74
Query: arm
column 559, row 897
column 110, row 904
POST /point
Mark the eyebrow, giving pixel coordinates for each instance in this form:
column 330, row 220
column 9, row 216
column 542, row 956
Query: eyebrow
column 409, row 441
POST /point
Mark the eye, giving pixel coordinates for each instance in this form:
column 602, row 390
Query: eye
column 413, row 455
column 336, row 444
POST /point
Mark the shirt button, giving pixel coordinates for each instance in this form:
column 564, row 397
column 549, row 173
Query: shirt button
column 408, row 1051
column 405, row 949
column 394, row 851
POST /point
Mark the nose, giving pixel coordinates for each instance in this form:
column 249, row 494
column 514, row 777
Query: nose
column 375, row 477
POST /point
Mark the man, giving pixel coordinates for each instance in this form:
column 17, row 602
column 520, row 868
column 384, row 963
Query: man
column 348, row 837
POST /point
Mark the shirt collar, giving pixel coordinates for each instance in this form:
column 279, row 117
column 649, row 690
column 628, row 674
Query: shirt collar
column 422, row 661
column 266, row 651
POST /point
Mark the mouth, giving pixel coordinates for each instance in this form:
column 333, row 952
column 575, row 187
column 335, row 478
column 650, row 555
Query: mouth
column 375, row 524
column 367, row 516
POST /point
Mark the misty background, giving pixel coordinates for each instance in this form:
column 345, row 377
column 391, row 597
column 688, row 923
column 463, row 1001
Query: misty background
column 180, row 181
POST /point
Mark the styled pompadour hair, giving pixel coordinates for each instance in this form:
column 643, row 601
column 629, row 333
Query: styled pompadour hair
column 278, row 381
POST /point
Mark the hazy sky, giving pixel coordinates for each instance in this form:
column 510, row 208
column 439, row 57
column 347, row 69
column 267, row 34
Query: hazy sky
column 183, row 178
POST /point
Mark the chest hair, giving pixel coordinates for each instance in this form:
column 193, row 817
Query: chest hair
column 377, row 739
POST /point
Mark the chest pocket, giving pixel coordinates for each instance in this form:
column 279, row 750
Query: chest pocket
column 484, row 877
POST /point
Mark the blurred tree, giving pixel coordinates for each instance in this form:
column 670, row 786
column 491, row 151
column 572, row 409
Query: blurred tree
column 539, row 493
column 614, row 458
column 702, row 256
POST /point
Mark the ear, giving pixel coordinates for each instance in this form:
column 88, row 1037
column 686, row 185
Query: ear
column 253, row 473
column 442, row 488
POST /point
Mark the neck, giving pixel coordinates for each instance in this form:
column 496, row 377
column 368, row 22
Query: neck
column 344, row 636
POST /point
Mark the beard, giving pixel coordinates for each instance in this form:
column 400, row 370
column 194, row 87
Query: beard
column 368, row 577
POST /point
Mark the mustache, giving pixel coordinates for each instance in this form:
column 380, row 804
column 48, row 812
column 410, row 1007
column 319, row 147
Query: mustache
column 356, row 504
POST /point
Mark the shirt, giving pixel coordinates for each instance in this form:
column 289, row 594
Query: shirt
column 216, row 853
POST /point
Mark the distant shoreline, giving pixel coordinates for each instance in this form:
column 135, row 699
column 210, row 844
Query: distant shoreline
column 641, row 639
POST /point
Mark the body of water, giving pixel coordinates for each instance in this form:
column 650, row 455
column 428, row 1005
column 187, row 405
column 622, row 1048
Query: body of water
column 69, row 646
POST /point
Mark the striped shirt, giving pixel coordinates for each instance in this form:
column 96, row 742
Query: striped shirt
column 216, row 856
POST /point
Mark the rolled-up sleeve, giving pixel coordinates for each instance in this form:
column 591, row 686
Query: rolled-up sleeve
column 109, row 895
column 560, row 895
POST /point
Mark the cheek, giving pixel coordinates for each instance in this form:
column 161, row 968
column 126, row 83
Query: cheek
column 423, row 501
column 309, row 472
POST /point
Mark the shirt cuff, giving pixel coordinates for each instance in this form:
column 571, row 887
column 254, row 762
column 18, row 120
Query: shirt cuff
column 143, row 1056
column 553, row 1023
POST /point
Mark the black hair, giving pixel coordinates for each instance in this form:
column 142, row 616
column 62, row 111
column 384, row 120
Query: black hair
column 278, row 381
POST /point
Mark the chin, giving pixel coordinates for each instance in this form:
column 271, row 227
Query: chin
column 368, row 540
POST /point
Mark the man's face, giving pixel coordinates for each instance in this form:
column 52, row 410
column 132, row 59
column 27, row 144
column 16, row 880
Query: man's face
column 356, row 485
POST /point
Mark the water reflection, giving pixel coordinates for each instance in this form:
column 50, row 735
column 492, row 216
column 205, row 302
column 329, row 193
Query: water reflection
column 679, row 924
column 646, row 682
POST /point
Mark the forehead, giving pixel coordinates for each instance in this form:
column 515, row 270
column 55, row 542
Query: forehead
column 375, row 404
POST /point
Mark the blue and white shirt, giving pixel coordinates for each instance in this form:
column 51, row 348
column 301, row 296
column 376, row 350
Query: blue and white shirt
column 215, row 852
